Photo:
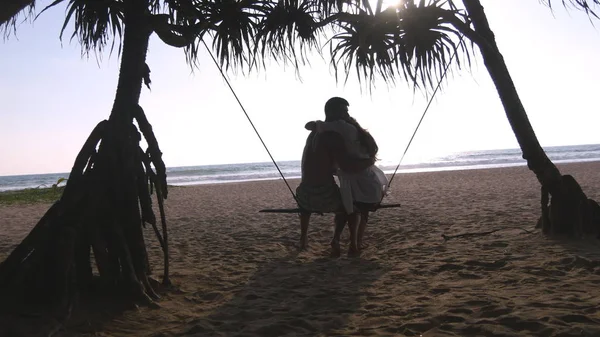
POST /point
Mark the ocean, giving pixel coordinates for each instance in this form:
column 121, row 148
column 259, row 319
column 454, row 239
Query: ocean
column 217, row 174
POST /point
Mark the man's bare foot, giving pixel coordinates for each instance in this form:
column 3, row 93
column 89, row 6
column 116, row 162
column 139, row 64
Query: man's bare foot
column 303, row 245
column 335, row 249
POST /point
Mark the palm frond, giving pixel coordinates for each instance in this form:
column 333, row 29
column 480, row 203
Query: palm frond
column 414, row 41
column 330, row 7
column 287, row 30
column 232, row 27
column 11, row 13
column 429, row 40
column 369, row 43
column 590, row 7
column 96, row 23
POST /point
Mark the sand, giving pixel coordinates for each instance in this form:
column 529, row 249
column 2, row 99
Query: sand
column 237, row 272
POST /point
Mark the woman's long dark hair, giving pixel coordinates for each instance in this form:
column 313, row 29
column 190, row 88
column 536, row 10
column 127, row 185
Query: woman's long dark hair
column 364, row 137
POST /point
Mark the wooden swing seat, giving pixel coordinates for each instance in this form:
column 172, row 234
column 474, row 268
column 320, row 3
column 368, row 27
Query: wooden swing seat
column 300, row 210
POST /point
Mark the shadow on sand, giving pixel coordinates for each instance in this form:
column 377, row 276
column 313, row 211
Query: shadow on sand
column 92, row 311
column 292, row 297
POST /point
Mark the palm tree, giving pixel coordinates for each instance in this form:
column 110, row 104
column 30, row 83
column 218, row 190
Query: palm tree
column 107, row 199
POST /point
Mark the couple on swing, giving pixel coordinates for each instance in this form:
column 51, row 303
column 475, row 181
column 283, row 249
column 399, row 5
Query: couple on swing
column 339, row 146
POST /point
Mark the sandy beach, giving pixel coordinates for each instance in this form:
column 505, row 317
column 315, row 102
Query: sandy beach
column 237, row 272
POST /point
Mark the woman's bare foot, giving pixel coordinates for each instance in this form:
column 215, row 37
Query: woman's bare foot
column 353, row 251
column 335, row 249
column 361, row 245
column 303, row 245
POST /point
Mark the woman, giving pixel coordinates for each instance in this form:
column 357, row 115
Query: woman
column 363, row 190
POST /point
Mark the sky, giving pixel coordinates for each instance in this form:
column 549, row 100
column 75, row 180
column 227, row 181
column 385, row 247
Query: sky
column 51, row 98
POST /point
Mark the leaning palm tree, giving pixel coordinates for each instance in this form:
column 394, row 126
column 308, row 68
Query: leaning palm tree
column 107, row 200
column 570, row 212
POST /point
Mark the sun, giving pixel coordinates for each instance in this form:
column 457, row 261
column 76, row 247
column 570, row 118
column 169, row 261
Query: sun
column 385, row 4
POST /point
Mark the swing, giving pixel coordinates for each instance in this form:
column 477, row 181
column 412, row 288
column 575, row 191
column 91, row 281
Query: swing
column 298, row 209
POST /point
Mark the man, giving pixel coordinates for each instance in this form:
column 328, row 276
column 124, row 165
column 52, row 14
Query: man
column 318, row 191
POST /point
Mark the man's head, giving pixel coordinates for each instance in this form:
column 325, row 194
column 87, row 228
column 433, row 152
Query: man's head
column 336, row 108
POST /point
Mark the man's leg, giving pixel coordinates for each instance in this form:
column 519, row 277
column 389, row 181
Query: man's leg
column 340, row 222
column 304, row 221
column 364, row 219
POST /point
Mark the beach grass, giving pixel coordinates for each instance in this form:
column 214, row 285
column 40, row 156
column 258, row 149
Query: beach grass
column 37, row 195
column 31, row 196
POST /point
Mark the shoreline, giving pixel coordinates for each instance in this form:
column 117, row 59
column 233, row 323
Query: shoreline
column 49, row 194
column 296, row 179
column 388, row 170
column 388, row 173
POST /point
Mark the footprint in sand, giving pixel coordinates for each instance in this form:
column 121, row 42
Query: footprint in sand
column 469, row 276
column 461, row 310
column 494, row 311
column 518, row 324
column 438, row 291
column 441, row 319
column 578, row 319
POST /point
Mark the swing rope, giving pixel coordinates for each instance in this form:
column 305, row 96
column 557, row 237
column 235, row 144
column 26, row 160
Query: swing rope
column 424, row 112
column 249, row 120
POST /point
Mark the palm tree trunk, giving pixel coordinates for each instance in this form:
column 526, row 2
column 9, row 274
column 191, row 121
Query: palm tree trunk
column 9, row 9
column 133, row 62
column 120, row 161
column 533, row 153
column 570, row 210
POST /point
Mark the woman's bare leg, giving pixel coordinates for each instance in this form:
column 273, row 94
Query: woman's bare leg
column 304, row 221
column 364, row 219
column 353, row 226
column 340, row 222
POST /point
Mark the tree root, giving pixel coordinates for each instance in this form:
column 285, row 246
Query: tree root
column 162, row 238
column 163, row 220
column 566, row 210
